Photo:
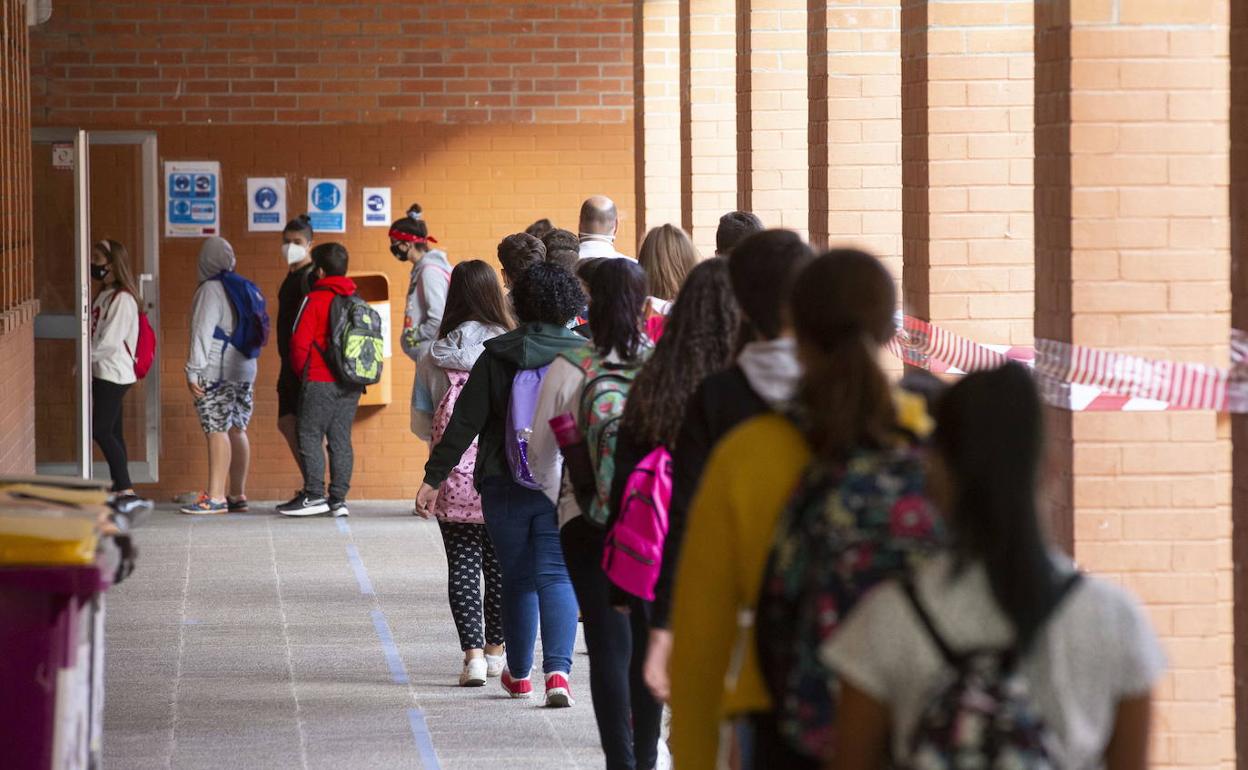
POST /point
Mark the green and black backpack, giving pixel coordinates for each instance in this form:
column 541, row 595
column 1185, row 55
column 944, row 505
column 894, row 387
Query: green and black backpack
column 356, row 342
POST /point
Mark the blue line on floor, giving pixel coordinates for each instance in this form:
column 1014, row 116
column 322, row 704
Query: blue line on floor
column 343, row 526
column 397, row 672
column 424, row 742
column 361, row 574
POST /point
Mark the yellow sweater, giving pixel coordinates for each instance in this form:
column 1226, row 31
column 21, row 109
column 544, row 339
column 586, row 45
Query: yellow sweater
column 748, row 481
column 729, row 536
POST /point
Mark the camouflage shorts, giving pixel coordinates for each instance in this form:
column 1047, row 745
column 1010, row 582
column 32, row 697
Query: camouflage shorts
column 225, row 406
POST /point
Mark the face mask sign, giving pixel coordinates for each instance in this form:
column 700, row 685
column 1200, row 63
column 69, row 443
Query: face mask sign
column 294, row 253
column 99, row 272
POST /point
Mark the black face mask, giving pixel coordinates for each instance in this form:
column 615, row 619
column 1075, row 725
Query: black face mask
column 99, row 272
column 397, row 250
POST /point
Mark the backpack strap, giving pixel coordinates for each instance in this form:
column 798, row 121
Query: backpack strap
column 912, row 594
column 1011, row 657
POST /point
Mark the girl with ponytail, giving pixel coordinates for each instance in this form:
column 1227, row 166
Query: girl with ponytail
column 428, row 286
column 796, row 516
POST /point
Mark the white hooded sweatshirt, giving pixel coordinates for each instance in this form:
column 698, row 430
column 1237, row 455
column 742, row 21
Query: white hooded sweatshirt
column 114, row 336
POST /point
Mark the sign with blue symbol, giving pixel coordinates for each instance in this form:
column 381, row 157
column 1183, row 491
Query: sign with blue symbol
column 266, row 204
column 327, row 205
column 193, row 199
column 376, row 207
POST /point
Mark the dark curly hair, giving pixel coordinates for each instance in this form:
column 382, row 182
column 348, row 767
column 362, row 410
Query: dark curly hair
column 617, row 295
column 700, row 339
column 547, row 293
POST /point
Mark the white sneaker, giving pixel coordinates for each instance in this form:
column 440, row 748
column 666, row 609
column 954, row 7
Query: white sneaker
column 473, row 674
column 494, row 665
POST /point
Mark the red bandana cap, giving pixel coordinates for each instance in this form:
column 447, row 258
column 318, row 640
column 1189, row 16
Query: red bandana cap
column 398, row 235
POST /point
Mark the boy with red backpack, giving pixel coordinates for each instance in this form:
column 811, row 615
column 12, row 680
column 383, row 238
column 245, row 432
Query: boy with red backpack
column 229, row 326
column 337, row 349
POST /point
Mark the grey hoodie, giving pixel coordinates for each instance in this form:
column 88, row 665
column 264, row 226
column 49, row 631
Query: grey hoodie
column 772, row 369
column 458, row 350
column 426, row 299
column 211, row 360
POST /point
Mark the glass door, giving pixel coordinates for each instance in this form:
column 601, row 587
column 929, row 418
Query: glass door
column 89, row 186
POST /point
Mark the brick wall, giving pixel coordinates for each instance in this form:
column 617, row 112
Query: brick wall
column 509, row 112
column 473, row 61
column 1239, row 320
column 17, row 305
column 1133, row 254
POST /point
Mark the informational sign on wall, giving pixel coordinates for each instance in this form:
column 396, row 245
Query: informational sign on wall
column 192, row 199
column 327, row 205
column 376, row 206
column 63, row 156
column 266, row 204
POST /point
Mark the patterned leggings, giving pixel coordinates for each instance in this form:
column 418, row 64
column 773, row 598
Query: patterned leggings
column 469, row 553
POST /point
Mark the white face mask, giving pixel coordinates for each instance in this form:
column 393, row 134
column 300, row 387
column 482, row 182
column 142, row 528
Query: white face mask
column 294, row 253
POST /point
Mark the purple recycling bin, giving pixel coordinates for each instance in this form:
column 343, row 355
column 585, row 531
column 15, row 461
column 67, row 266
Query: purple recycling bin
column 48, row 648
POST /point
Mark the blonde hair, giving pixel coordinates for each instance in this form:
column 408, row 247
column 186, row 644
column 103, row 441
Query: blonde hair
column 667, row 255
column 118, row 265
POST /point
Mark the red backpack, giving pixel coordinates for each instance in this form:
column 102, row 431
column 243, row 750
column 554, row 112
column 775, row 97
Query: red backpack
column 144, row 353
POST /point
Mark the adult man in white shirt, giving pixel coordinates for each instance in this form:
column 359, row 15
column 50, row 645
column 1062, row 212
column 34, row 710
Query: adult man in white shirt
column 599, row 221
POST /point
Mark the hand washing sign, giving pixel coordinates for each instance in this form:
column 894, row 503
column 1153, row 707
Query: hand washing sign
column 192, row 199
column 327, row 205
column 266, row 204
column 376, row 206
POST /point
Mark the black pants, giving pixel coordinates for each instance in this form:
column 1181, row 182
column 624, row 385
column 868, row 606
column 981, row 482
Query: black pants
column 326, row 414
column 628, row 716
column 469, row 554
column 106, row 429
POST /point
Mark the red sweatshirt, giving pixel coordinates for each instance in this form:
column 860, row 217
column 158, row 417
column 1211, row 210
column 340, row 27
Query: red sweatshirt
column 311, row 335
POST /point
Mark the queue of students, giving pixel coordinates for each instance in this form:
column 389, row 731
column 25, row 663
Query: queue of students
column 811, row 565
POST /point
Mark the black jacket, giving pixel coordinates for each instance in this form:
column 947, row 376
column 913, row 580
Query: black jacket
column 722, row 402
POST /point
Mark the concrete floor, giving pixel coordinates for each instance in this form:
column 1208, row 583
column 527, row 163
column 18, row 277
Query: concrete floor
column 253, row 641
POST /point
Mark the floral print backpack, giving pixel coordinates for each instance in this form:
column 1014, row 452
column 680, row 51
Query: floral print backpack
column 848, row 527
column 458, row 500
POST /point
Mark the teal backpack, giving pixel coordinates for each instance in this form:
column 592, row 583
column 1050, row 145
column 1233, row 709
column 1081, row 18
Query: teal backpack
column 601, row 410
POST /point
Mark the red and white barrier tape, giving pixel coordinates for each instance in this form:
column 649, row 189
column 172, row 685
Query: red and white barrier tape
column 1082, row 379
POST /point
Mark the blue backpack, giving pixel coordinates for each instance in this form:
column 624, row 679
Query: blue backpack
column 251, row 315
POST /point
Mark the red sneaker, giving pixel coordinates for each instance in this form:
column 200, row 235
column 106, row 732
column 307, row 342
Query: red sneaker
column 558, row 692
column 516, row 688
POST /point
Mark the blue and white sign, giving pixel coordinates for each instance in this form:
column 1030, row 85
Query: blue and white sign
column 327, row 205
column 192, row 199
column 376, row 207
column 266, row 204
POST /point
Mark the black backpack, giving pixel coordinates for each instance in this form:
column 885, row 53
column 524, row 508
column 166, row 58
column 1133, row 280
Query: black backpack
column 356, row 344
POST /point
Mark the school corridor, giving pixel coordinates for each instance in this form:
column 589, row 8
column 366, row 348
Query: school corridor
column 255, row 641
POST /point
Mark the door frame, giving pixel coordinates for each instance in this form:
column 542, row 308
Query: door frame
column 65, row 326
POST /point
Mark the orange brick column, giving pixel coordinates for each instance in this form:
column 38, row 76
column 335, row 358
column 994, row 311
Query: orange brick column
column 855, row 126
column 966, row 164
column 708, row 117
column 1132, row 254
column 656, row 113
column 1239, row 319
column 772, row 112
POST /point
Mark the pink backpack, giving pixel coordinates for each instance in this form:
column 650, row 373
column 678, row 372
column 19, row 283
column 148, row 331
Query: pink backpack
column 458, row 500
column 634, row 547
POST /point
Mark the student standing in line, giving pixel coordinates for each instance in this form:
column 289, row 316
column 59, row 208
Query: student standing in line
column 520, row 519
column 667, row 255
column 761, row 271
column 592, row 383
column 734, row 227
column 844, row 419
column 326, row 406
column 297, row 253
column 114, row 345
column 476, row 311
column 226, row 335
column 426, row 290
column 1089, row 655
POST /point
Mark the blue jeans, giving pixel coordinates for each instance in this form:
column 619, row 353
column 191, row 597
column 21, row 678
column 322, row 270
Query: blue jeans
column 525, row 531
